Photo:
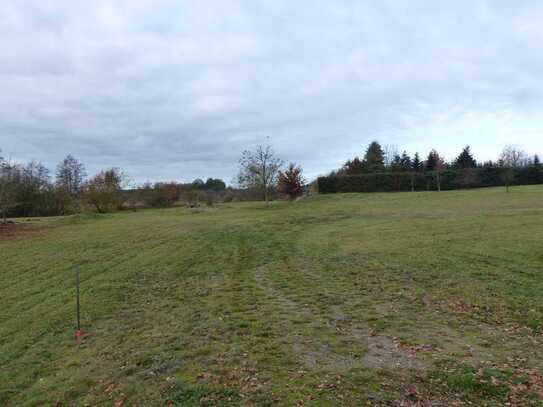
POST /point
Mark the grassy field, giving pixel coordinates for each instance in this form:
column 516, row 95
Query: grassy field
column 376, row 299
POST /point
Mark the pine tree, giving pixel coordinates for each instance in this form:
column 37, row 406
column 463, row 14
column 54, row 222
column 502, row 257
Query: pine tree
column 353, row 167
column 431, row 161
column 374, row 159
column 405, row 162
column 536, row 162
column 489, row 164
column 396, row 164
column 435, row 164
column 465, row 159
column 417, row 165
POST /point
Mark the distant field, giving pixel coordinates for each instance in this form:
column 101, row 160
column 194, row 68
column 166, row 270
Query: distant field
column 339, row 299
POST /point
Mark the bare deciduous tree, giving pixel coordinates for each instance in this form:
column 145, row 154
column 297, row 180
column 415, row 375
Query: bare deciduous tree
column 7, row 187
column 434, row 163
column 70, row 174
column 390, row 151
column 511, row 157
column 259, row 169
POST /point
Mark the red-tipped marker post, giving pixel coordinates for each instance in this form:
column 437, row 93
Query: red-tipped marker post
column 78, row 333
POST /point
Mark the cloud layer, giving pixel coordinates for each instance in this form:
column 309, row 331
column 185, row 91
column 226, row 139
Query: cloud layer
column 173, row 90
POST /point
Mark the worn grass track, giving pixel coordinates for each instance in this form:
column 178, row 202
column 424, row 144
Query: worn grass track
column 430, row 298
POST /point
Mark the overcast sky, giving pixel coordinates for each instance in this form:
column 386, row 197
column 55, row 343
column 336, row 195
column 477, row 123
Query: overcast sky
column 174, row 90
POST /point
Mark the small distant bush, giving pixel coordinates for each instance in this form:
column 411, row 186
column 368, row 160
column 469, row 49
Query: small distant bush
column 193, row 197
column 162, row 195
column 228, row 196
column 209, row 198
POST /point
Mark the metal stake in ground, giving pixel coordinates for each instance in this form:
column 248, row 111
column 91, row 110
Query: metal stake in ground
column 79, row 332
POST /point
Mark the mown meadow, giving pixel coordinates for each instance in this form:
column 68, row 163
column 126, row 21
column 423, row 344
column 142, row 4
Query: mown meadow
column 348, row 299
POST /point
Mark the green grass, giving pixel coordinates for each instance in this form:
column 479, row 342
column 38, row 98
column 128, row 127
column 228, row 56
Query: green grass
column 337, row 299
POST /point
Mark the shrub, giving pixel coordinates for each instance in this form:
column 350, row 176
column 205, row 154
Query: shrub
column 209, row 198
column 192, row 197
column 228, row 196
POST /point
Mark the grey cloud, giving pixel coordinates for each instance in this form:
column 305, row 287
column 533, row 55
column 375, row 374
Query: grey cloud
column 176, row 89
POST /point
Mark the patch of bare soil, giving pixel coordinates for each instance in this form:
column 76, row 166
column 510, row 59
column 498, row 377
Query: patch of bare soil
column 497, row 330
column 11, row 230
column 382, row 352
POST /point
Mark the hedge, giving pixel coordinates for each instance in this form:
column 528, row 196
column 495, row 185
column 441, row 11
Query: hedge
column 427, row 181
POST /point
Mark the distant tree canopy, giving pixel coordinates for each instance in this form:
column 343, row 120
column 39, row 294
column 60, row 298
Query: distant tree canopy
column 417, row 165
column 465, row 159
column 198, row 183
column 401, row 172
column 216, row 185
column 159, row 195
column 405, row 162
column 373, row 161
column 434, row 162
column 353, row 167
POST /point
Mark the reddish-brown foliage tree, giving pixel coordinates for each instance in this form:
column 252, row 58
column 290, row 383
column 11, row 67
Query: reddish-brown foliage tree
column 291, row 182
column 169, row 193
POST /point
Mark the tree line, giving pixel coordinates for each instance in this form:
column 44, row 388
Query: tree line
column 385, row 169
column 379, row 159
column 28, row 189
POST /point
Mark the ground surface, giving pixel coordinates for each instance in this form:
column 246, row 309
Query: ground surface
column 378, row 299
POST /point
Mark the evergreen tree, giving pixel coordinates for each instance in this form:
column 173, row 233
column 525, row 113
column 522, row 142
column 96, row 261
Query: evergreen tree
column 489, row 164
column 434, row 162
column 198, row 183
column 216, row 185
column 536, row 162
column 465, row 159
column 353, row 167
column 374, row 160
column 405, row 162
column 396, row 164
column 430, row 162
column 417, row 165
